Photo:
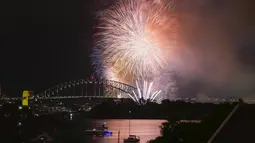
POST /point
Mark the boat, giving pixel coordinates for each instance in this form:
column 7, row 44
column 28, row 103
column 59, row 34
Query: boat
column 43, row 138
column 100, row 130
column 132, row 139
column 103, row 127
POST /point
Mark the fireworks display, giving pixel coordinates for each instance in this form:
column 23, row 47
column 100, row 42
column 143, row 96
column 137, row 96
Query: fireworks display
column 144, row 95
column 136, row 39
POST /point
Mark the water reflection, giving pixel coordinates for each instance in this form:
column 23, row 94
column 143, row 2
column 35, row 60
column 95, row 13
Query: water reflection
column 145, row 129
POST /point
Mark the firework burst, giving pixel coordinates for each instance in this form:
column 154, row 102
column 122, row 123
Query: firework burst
column 136, row 38
column 144, row 94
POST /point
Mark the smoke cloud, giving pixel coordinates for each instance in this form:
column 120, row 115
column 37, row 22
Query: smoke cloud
column 216, row 58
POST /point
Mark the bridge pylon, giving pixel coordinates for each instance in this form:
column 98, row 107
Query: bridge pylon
column 25, row 96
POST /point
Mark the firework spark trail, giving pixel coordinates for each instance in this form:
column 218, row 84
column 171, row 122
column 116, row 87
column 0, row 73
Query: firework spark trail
column 132, row 40
column 144, row 96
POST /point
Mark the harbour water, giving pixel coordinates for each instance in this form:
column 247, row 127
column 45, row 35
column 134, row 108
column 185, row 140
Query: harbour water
column 145, row 129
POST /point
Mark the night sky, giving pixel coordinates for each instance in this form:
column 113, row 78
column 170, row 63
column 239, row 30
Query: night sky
column 46, row 42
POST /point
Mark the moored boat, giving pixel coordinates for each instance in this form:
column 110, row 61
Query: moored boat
column 132, row 139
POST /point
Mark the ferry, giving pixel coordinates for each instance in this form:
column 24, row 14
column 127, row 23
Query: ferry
column 100, row 130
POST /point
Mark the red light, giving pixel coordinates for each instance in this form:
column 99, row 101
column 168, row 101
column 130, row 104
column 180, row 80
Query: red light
column 92, row 76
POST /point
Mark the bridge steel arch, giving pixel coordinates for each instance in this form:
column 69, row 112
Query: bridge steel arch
column 52, row 92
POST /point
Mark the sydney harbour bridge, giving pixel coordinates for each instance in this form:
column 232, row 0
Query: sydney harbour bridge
column 90, row 88
column 87, row 89
column 82, row 88
column 74, row 95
